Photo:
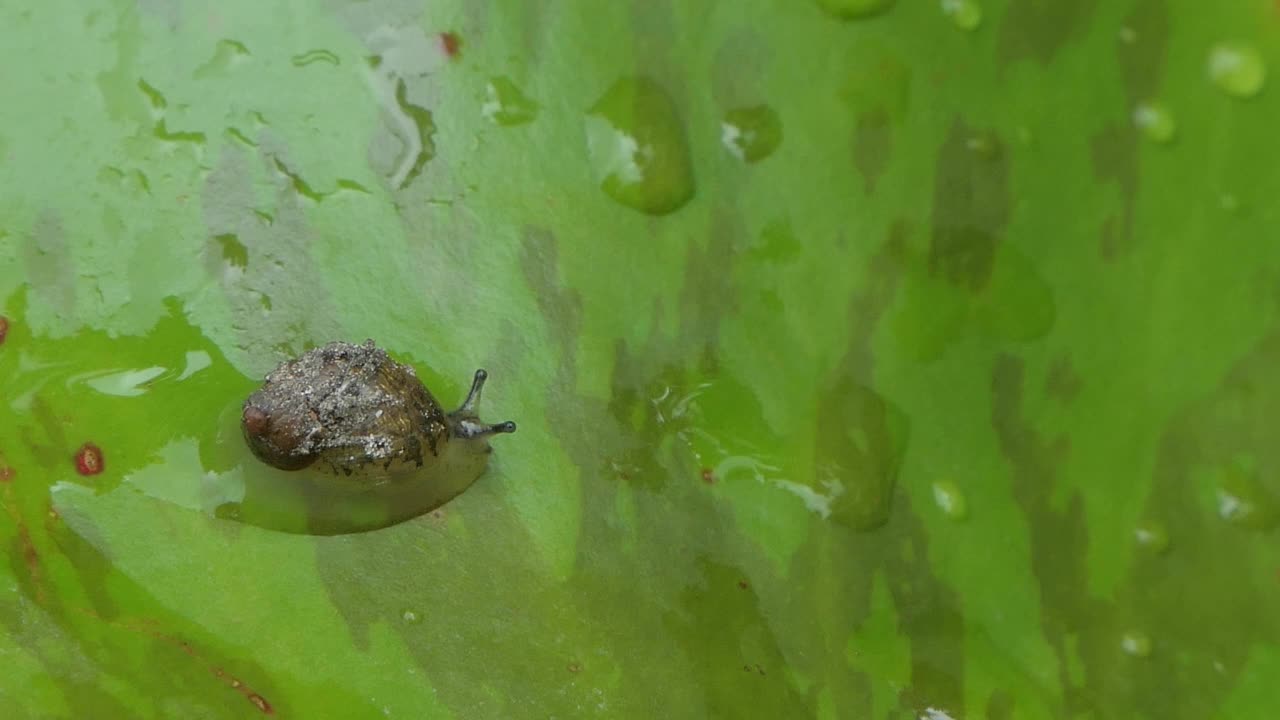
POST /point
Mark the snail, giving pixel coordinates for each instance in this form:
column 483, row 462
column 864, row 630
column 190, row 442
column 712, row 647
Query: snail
column 351, row 411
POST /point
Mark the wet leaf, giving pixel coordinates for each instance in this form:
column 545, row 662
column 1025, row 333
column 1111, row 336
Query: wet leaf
column 863, row 367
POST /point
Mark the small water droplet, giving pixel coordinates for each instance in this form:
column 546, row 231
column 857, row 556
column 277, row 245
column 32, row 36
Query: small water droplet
column 1128, row 35
column 506, row 105
column 1244, row 501
column 411, row 617
column 1237, row 69
column 966, row 14
column 1152, row 536
column 950, row 500
column 315, row 56
column 1229, row 202
column 637, row 147
column 1135, row 643
column 851, row 9
column 1155, row 121
column 751, row 133
column 984, row 145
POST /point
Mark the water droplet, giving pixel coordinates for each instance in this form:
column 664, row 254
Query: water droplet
column 315, row 56
column 1155, row 121
column 1244, row 501
column 751, row 133
column 850, row 9
column 637, row 147
column 1136, row 643
column 858, row 461
column 1229, row 202
column 1128, row 35
column 506, row 105
column 1152, row 536
column 966, row 14
column 1237, row 69
column 984, row 145
column 411, row 617
column 950, row 500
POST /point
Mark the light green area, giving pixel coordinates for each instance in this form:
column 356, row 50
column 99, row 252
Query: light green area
column 863, row 367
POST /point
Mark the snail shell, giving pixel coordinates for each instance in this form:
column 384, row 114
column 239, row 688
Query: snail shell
column 351, row 410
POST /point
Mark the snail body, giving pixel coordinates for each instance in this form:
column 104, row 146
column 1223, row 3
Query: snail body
column 351, row 411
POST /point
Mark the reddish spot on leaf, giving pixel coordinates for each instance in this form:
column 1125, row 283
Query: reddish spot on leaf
column 452, row 44
column 261, row 703
column 89, row 459
column 146, row 627
column 574, row 667
column 27, row 547
column 708, row 477
column 4, row 327
column 6, row 474
column 744, row 584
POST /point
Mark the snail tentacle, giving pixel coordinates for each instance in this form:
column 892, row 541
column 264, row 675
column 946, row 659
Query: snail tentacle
column 472, row 403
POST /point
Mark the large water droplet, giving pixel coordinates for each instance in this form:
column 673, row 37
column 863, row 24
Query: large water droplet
column 751, row 133
column 1237, row 69
column 637, row 147
column 966, row 14
column 861, row 451
column 850, row 9
column 411, row 616
column 950, row 500
column 1155, row 121
column 506, row 105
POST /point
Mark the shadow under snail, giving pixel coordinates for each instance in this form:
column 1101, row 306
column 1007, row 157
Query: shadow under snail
column 351, row 411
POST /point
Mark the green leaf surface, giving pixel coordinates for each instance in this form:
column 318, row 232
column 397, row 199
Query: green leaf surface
column 870, row 359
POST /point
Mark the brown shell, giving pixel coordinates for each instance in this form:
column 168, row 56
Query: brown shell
column 345, row 409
